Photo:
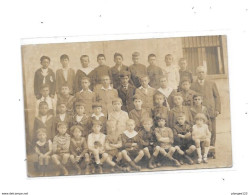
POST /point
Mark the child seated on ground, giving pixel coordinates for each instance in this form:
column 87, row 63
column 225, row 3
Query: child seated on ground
column 148, row 142
column 183, row 139
column 201, row 135
column 118, row 115
column 138, row 113
column 61, row 145
column 113, row 144
column 165, row 139
column 64, row 96
column 131, row 142
column 79, row 150
column 43, row 148
column 96, row 145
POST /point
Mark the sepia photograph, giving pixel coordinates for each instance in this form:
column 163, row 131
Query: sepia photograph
column 125, row 106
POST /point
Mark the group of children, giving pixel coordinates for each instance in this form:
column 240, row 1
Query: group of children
column 118, row 116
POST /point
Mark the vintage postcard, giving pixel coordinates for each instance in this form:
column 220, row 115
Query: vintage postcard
column 127, row 106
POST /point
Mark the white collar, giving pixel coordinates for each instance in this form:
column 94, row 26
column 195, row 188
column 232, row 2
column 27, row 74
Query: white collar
column 129, row 134
column 43, row 98
column 44, row 70
column 94, row 115
column 88, row 90
column 109, row 88
column 62, row 116
column 86, row 70
column 65, row 69
column 166, row 91
column 201, row 82
column 141, row 87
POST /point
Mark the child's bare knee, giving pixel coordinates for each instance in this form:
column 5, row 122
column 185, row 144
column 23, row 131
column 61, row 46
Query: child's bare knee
column 141, row 153
column 157, row 148
column 104, row 155
column 124, row 152
column 192, row 147
column 197, row 143
column 172, row 149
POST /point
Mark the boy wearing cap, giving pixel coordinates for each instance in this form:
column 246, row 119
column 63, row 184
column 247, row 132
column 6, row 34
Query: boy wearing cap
column 98, row 115
column 154, row 72
column 138, row 113
column 80, row 118
column 117, row 69
column 100, row 71
column 65, row 75
column 85, row 95
column 146, row 92
column 118, row 115
column 106, row 94
column 137, row 69
column 126, row 91
column 186, row 92
column 84, row 71
column 183, row 71
column 65, row 97
column 44, row 75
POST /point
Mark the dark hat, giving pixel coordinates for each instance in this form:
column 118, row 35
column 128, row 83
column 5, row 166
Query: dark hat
column 160, row 116
column 118, row 54
column 135, row 54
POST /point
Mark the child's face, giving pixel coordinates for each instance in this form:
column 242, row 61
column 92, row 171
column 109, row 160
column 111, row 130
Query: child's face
column 161, row 123
column 111, row 128
column 80, row 110
column 43, row 109
column 152, row 61
column 77, row 133
column 101, row 60
column 183, row 64
column 163, row 83
column 181, row 120
column 135, row 59
column 138, row 104
column 106, row 81
column 185, row 85
column 118, row 60
column 84, row 62
column 64, row 90
column 97, row 110
column 130, row 126
column 147, row 125
column 124, row 80
column 62, row 129
column 42, row 137
column 168, row 60
column 45, row 92
column 62, row 108
column 198, row 101
column 45, row 63
column 144, row 82
column 85, row 84
column 65, row 62
column 117, row 106
column 178, row 100
column 199, row 122
column 96, row 128
column 159, row 99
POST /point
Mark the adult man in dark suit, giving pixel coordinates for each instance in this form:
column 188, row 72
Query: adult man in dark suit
column 126, row 91
column 211, row 97
column 65, row 75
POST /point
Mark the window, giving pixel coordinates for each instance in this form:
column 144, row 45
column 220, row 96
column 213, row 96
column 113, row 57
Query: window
column 206, row 51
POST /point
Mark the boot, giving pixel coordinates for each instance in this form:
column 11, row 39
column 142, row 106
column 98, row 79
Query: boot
column 99, row 169
column 133, row 164
column 87, row 169
column 150, row 163
column 117, row 167
column 188, row 159
column 63, row 169
column 174, row 161
column 77, row 167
